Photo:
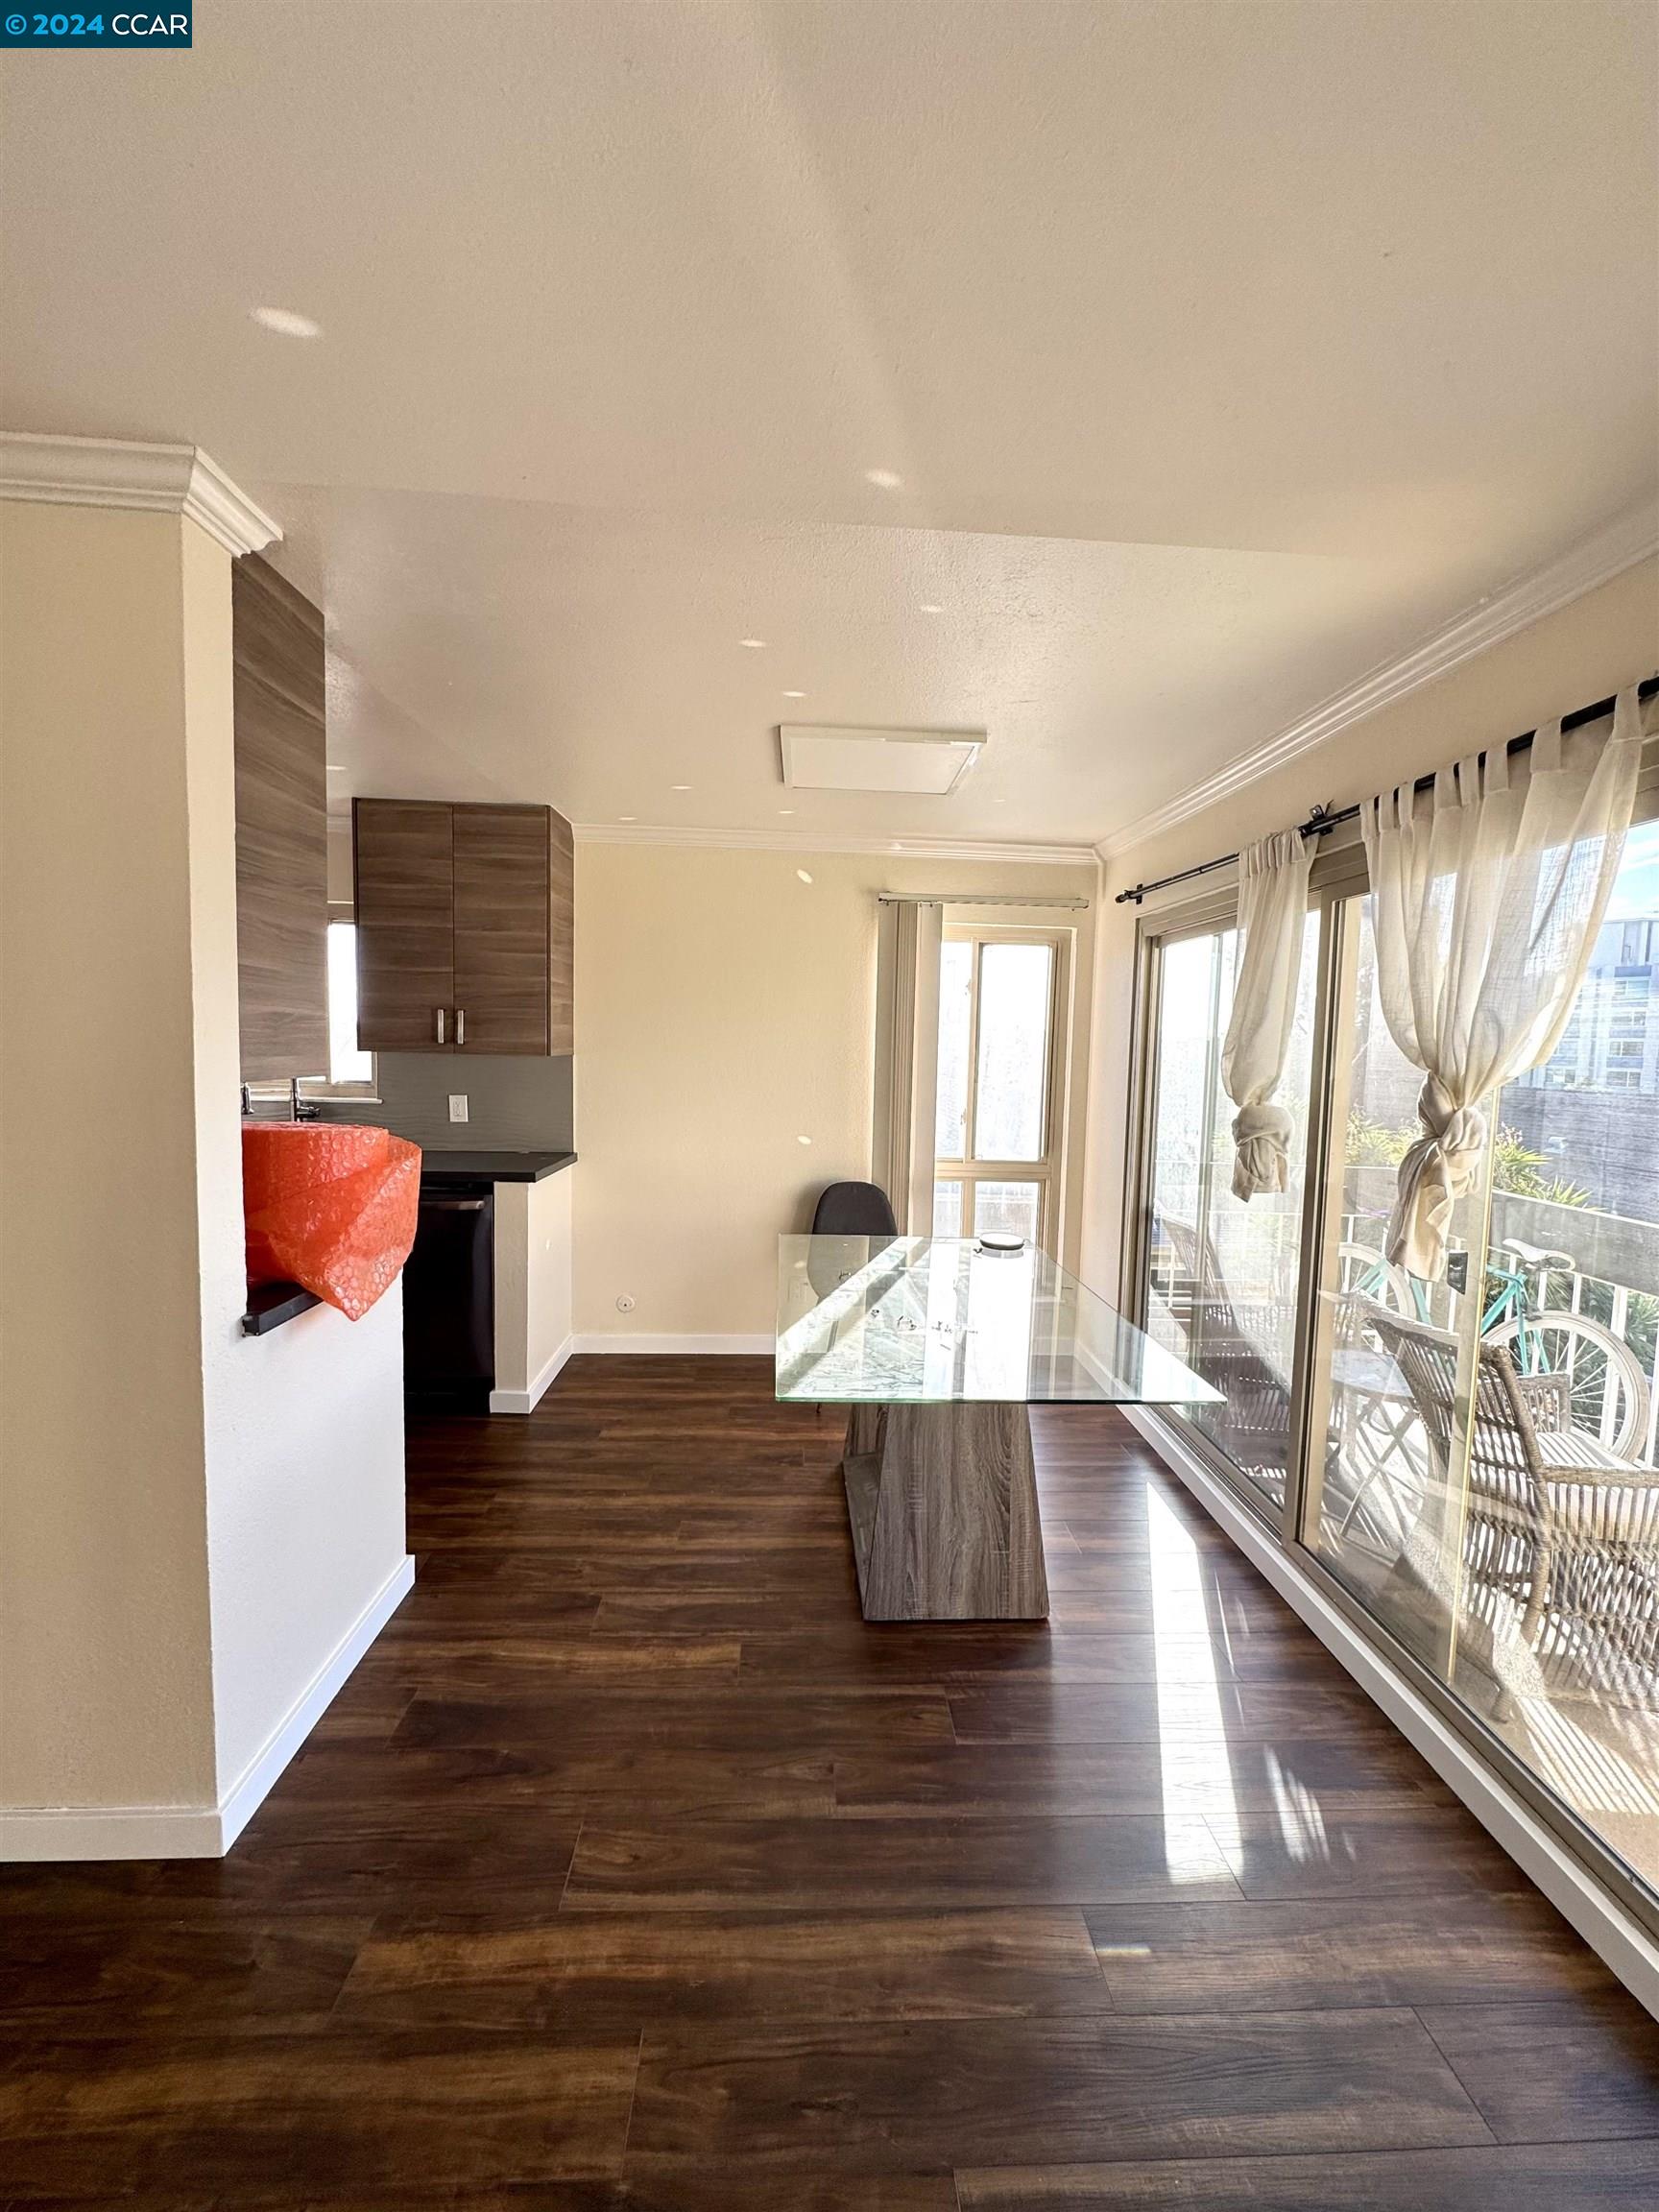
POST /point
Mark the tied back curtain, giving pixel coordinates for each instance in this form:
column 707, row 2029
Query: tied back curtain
column 1485, row 908
column 1272, row 909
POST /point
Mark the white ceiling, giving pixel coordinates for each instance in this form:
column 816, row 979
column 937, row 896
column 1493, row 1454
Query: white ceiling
column 1222, row 350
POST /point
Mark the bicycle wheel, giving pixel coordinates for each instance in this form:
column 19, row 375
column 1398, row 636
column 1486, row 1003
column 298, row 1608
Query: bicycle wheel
column 1599, row 1365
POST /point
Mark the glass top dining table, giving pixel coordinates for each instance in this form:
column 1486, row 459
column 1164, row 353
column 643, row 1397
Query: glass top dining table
column 942, row 1320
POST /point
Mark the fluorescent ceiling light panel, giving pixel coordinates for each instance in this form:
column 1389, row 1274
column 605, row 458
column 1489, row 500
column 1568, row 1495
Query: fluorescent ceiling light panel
column 818, row 757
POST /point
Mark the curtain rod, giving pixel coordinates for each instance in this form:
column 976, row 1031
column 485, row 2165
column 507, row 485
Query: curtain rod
column 1323, row 818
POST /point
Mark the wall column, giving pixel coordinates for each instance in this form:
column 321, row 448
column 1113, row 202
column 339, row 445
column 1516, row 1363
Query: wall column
column 141, row 1666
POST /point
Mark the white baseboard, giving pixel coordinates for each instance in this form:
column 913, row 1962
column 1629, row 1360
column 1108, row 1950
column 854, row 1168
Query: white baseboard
column 254, row 1785
column 1613, row 1934
column 620, row 1340
column 43, row 1832
column 526, row 1400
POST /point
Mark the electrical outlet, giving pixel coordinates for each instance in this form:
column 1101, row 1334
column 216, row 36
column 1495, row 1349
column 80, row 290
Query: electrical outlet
column 457, row 1105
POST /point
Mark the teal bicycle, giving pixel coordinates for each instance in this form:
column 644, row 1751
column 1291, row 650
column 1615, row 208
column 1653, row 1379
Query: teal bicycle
column 1607, row 1388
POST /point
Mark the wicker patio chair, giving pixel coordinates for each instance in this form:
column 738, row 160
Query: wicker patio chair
column 1253, row 1428
column 1553, row 1516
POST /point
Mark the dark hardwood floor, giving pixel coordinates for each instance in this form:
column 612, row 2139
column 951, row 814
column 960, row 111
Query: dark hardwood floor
column 632, row 1872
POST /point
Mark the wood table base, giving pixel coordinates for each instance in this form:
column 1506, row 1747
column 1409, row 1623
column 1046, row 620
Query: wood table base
column 942, row 1501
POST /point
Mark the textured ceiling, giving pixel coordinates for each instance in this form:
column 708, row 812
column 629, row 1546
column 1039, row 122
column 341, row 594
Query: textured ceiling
column 1220, row 350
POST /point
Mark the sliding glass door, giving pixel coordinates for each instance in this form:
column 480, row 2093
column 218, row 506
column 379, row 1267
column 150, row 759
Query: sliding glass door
column 1466, row 1466
column 1221, row 1284
column 1392, row 1365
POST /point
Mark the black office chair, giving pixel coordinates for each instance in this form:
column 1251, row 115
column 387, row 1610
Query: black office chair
column 853, row 1210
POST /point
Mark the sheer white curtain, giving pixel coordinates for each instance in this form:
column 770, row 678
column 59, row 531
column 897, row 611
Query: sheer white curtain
column 1272, row 909
column 1486, row 903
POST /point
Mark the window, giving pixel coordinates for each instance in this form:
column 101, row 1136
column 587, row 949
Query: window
column 350, row 1072
column 997, row 1111
column 349, row 1069
column 1469, row 1468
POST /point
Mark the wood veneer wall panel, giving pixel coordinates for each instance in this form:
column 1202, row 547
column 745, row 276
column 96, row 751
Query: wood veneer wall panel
column 281, row 824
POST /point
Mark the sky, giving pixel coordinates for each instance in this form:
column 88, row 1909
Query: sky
column 1636, row 894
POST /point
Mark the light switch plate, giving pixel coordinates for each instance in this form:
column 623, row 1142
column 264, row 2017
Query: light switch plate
column 457, row 1105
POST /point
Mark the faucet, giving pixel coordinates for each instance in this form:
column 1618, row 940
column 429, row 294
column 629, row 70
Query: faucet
column 298, row 1109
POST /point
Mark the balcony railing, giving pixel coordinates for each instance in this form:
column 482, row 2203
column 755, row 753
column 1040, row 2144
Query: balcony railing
column 1614, row 1279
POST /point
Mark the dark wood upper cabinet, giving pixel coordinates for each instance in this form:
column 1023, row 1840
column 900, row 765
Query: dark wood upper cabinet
column 562, row 938
column 501, row 981
column 281, row 824
column 464, row 928
column 405, row 909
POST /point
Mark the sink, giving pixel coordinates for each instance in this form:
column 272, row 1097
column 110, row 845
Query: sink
column 329, row 1205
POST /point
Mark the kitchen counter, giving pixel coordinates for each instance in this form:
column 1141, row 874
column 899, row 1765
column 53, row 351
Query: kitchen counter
column 271, row 1304
column 445, row 1167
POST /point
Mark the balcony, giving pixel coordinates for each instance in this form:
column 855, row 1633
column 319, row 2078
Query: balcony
column 1495, row 1550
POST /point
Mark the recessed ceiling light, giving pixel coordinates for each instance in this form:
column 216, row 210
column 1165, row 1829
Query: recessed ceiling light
column 803, row 874
column 679, row 787
column 931, row 606
column 802, row 1139
column 785, row 809
column 884, row 480
column 627, row 817
column 753, row 644
column 794, row 694
column 288, row 322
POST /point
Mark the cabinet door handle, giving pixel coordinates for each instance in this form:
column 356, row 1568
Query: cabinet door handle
column 438, row 1020
column 460, row 1024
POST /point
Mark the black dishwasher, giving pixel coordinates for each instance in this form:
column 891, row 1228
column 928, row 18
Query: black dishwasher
column 450, row 1302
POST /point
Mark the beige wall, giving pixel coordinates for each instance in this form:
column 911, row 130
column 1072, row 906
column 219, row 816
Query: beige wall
column 725, row 1011
column 102, row 1510
column 190, row 1520
column 1601, row 642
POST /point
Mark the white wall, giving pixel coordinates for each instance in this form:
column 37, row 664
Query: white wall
column 534, row 1289
column 1596, row 645
column 304, row 1426
column 305, row 1513
column 192, row 1520
column 725, row 1012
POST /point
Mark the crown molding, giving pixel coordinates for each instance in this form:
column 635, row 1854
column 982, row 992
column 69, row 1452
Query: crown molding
column 803, row 841
column 153, row 480
column 1595, row 559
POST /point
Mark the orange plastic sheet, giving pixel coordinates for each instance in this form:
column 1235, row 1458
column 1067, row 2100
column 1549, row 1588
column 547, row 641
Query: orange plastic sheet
column 330, row 1205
